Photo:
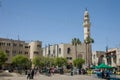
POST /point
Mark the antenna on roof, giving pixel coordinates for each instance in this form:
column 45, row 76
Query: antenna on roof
column 107, row 44
column 106, row 48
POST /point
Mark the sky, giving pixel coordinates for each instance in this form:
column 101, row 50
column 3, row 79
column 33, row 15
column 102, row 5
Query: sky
column 59, row 21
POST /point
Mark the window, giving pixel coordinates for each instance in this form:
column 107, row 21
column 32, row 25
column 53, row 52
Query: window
column 39, row 46
column 69, row 58
column 20, row 45
column 35, row 52
column 8, row 44
column 14, row 53
column 86, row 16
column 26, row 53
column 26, row 46
column 20, row 52
column 7, row 51
column 68, row 50
column 2, row 43
column 48, row 51
column 88, row 30
column 93, row 56
column 54, row 51
column 59, row 50
column 14, row 44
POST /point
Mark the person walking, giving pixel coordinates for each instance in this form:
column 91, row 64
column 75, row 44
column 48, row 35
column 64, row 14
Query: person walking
column 28, row 74
column 32, row 74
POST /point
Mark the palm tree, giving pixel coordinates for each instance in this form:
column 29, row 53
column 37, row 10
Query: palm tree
column 88, row 41
column 75, row 42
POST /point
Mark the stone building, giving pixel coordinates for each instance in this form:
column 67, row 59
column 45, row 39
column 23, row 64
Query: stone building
column 35, row 49
column 64, row 50
column 14, row 47
column 110, row 57
column 113, row 57
column 98, row 57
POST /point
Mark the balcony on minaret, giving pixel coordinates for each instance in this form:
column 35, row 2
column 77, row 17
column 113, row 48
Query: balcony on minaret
column 86, row 19
column 86, row 24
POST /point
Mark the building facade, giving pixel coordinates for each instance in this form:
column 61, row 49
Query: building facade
column 35, row 49
column 14, row 47
column 113, row 57
column 98, row 57
column 64, row 50
column 110, row 57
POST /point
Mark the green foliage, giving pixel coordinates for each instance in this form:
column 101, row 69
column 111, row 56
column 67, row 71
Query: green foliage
column 21, row 61
column 3, row 57
column 43, row 61
column 89, row 40
column 76, row 41
column 38, row 61
column 78, row 62
column 49, row 61
column 61, row 61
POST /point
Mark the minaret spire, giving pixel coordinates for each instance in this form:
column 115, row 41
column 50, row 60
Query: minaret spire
column 86, row 24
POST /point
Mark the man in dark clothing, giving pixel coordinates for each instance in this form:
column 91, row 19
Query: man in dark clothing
column 28, row 74
column 103, row 74
column 32, row 73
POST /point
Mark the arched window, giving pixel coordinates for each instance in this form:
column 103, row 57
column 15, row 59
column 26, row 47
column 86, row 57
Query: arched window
column 68, row 50
column 94, row 56
column 59, row 50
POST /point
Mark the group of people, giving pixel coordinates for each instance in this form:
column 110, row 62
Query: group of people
column 48, row 71
column 104, row 73
column 30, row 74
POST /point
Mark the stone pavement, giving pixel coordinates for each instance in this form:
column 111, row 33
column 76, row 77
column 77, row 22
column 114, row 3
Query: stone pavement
column 53, row 77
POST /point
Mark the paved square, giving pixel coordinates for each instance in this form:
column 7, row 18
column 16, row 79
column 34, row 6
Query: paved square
column 53, row 77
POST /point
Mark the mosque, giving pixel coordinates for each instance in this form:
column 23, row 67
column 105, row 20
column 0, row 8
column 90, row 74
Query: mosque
column 84, row 50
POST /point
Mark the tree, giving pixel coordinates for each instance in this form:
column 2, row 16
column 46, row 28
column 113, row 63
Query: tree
column 78, row 62
column 75, row 42
column 50, row 61
column 88, row 41
column 60, row 61
column 3, row 58
column 36, row 61
column 39, row 61
column 21, row 61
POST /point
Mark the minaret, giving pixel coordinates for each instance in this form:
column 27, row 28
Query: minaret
column 88, row 47
column 86, row 24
